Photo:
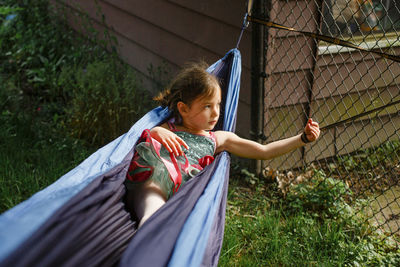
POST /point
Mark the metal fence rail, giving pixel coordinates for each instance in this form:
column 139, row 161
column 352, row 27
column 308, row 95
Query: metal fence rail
column 356, row 91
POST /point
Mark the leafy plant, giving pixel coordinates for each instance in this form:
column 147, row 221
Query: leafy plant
column 106, row 100
column 37, row 44
column 370, row 158
column 322, row 196
column 160, row 76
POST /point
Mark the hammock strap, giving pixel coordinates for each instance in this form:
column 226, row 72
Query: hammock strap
column 321, row 37
column 245, row 21
column 378, row 109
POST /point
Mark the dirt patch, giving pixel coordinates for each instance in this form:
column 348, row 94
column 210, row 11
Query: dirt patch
column 386, row 210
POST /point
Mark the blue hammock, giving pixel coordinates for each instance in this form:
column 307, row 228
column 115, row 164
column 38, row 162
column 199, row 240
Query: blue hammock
column 80, row 219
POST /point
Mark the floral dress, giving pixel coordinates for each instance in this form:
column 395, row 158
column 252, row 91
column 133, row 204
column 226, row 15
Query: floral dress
column 152, row 162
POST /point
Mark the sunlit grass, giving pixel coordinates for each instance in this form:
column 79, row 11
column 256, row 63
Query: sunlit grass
column 260, row 232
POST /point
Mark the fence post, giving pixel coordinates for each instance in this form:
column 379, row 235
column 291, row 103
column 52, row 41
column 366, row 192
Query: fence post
column 311, row 74
column 257, row 80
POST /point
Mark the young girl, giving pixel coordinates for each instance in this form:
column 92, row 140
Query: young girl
column 172, row 153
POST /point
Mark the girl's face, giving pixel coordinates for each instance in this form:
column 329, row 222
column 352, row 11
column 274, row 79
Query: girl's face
column 203, row 113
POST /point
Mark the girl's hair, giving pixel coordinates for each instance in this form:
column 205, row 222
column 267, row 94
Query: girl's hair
column 191, row 83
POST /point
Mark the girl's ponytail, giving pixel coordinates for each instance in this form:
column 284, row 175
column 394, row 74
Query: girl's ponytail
column 163, row 98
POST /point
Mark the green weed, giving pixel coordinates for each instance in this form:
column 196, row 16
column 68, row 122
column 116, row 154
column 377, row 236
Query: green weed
column 105, row 101
column 382, row 155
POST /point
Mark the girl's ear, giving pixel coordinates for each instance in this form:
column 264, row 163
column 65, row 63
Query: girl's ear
column 182, row 108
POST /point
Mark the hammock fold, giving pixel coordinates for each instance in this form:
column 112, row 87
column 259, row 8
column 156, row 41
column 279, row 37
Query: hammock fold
column 80, row 220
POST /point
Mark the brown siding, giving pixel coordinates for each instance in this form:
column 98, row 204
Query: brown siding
column 290, row 62
column 348, row 84
column 171, row 33
column 367, row 72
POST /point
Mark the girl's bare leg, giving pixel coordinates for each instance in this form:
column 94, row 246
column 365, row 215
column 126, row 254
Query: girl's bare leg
column 145, row 200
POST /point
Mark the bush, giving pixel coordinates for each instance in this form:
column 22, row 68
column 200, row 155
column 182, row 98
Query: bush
column 34, row 47
column 74, row 81
column 105, row 102
column 321, row 196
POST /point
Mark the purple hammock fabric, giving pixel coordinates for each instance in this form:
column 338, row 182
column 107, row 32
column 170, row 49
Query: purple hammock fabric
column 92, row 228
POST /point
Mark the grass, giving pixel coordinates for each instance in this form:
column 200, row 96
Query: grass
column 260, row 231
column 28, row 163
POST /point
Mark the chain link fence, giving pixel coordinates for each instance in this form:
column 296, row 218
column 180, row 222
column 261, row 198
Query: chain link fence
column 338, row 86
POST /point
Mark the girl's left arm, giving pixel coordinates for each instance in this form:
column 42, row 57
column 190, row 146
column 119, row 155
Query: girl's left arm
column 234, row 144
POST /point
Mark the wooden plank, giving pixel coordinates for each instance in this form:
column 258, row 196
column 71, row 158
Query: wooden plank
column 344, row 54
column 132, row 53
column 290, row 51
column 142, row 43
column 296, row 14
column 339, row 108
column 367, row 133
column 283, row 122
column 203, row 37
column 323, row 148
column 347, row 138
column 150, row 37
column 204, row 31
column 290, row 54
column 290, row 58
column 339, row 79
column 287, row 88
column 217, row 9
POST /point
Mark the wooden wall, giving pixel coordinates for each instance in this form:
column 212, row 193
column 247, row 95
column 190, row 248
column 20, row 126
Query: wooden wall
column 347, row 84
column 290, row 63
column 170, row 33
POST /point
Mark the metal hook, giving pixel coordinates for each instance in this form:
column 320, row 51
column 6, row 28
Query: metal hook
column 246, row 22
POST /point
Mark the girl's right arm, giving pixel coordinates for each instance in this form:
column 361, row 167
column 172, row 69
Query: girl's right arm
column 234, row 144
column 168, row 139
column 228, row 141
